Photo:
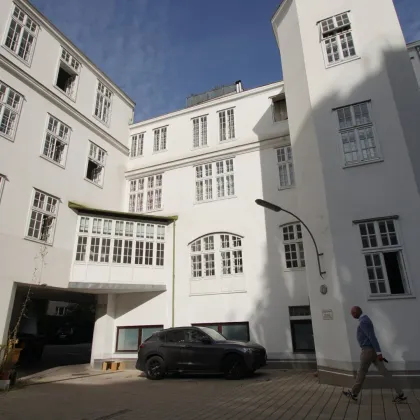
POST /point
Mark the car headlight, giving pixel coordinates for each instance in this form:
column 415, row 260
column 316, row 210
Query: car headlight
column 248, row 350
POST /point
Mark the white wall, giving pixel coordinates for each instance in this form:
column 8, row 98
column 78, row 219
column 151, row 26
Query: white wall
column 263, row 294
column 44, row 68
column 339, row 195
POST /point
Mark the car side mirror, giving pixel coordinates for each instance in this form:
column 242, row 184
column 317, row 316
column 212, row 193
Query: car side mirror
column 206, row 340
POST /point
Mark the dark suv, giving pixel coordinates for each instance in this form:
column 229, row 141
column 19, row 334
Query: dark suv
column 198, row 350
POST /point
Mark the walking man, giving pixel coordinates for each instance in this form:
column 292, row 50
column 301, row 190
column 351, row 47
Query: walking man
column 371, row 353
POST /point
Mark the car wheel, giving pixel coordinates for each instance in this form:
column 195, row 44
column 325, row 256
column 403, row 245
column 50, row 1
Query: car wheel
column 234, row 367
column 155, row 368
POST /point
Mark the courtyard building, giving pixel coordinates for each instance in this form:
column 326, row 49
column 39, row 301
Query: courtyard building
column 157, row 219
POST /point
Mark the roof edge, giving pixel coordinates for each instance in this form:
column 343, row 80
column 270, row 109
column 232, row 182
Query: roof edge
column 69, row 44
column 81, row 208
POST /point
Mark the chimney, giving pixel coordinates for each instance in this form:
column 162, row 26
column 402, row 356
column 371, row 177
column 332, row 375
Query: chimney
column 239, row 87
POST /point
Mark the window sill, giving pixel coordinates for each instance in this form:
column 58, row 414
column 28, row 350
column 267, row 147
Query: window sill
column 7, row 137
column 203, row 278
column 291, row 270
column 27, row 63
column 290, row 187
column 391, row 297
column 38, row 241
column 227, row 140
column 329, row 66
column 368, row 162
column 218, row 293
column 112, row 264
column 205, row 146
column 150, row 211
column 101, row 121
column 136, row 157
column 156, row 152
column 93, row 183
column 52, row 161
column 65, row 94
column 215, row 200
column 280, row 121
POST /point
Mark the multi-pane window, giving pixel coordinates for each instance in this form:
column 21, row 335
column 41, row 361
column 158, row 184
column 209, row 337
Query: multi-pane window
column 21, row 35
column 357, row 134
column 96, row 164
column 56, row 141
column 231, row 254
column 103, row 103
column 145, row 194
column 137, row 143
column 159, row 139
column 10, row 106
column 214, row 181
column 293, row 246
column 211, row 251
column 337, row 39
column 279, row 110
column 43, row 217
column 120, row 242
column 68, row 74
column 237, row 331
column 130, row 338
column 200, row 131
column 226, row 125
column 285, row 165
column 383, row 255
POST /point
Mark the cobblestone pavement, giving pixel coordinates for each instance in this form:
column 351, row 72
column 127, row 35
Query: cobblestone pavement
column 273, row 394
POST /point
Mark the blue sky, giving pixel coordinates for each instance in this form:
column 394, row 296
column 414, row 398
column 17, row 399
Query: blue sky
column 161, row 51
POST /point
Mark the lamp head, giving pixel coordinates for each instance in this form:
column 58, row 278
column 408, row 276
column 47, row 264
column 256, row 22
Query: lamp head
column 267, row 205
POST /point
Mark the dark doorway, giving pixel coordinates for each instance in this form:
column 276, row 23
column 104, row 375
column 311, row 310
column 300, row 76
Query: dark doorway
column 56, row 329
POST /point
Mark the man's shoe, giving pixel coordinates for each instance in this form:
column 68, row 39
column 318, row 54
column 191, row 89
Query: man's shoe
column 350, row 395
column 399, row 398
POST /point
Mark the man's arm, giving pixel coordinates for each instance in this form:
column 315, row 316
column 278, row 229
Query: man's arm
column 367, row 328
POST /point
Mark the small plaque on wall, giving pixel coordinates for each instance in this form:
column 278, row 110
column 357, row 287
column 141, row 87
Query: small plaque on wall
column 327, row 315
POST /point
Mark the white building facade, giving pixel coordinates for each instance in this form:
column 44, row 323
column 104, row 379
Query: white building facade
column 158, row 218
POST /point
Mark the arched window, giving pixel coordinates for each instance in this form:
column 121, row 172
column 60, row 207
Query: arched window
column 216, row 254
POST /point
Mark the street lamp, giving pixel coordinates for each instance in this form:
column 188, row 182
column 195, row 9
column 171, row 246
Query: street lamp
column 277, row 209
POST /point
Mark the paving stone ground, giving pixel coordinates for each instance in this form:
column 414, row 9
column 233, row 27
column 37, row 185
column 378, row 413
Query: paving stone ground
column 272, row 394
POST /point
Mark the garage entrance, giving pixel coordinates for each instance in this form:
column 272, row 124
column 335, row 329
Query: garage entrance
column 56, row 329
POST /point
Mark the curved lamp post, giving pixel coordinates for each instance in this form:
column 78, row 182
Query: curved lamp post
column 277, row 209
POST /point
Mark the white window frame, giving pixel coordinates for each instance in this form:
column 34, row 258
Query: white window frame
column 43, row 206
column 216, row 255
column 28, row 27
column 215, row 181
column 199, row 128
column 98, row 156
column 58, row 134
column 11, row 102
column 137, row 145
column 138, row 244
column 2, row 184
column 332, row 31
column 72, row 66
column 146, row 194
column 160, row 139
column 103, row 103
column 354, row 134
column 227, row 129
column 283, row 115
column 285, row 167
column 373, row 233
column 294, row 253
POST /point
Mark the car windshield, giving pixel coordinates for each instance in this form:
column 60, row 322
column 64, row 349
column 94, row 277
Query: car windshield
column 213, row 334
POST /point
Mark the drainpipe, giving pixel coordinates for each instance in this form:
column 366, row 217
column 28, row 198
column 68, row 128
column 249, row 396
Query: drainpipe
column 173, row 276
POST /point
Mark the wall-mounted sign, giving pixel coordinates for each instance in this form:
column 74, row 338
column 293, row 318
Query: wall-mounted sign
column 327, row 315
